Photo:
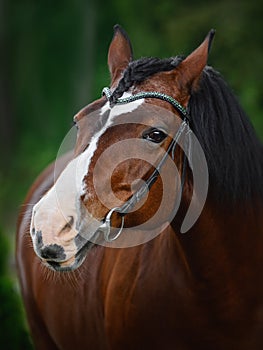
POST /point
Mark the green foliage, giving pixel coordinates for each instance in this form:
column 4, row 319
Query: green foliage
column 54, row 62
column 13, row 332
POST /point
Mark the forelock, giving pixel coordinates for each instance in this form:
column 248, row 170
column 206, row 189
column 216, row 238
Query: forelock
column 139, row 70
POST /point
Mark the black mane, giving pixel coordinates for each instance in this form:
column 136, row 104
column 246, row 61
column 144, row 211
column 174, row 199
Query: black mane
column 232, row 149
column 230, row 144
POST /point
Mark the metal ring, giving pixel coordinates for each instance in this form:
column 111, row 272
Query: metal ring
column 107, row 225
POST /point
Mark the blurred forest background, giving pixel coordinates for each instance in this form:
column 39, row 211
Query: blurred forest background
column 54, row 62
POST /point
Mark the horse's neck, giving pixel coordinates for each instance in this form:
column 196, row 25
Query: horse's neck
column 224, row 248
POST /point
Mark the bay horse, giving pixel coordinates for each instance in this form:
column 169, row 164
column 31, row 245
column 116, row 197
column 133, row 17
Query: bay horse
column 105, row 256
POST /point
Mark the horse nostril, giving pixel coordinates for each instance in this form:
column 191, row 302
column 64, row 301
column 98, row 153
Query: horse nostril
column 69, row 224
column 53, row 251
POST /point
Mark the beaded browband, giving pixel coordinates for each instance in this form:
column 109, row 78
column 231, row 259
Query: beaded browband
column 149, row 94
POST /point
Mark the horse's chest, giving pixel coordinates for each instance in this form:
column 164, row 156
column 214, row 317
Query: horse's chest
column 147, row 312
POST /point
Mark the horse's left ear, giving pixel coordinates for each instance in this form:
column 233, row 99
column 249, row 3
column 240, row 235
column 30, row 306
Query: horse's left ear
column 119, row 55
column 192, row 66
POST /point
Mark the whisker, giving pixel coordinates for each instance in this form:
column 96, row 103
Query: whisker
column 27, row 204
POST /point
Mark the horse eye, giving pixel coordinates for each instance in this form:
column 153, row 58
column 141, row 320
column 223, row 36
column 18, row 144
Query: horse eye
column 154, row 135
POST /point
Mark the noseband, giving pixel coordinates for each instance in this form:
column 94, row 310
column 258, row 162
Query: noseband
column 145, row 188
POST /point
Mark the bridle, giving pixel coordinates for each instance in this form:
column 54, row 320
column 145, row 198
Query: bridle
column 145, row 188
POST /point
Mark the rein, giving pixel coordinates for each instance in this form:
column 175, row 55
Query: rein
column 145, row 188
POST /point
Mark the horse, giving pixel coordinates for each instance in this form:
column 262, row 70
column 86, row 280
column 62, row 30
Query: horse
column 105, row 256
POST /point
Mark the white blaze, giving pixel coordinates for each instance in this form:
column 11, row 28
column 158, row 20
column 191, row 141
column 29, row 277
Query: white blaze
column 61, row 200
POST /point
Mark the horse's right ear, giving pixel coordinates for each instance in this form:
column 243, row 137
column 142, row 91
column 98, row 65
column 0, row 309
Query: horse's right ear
column 119, row 55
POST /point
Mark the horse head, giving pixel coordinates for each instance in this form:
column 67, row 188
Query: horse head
column 124, row 174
